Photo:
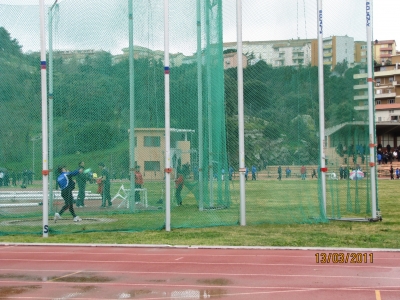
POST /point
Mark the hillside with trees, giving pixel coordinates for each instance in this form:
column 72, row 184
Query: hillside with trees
column 91, row 104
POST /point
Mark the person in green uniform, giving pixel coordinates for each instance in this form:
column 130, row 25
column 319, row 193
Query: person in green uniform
column 105, row 178
column 81, row 181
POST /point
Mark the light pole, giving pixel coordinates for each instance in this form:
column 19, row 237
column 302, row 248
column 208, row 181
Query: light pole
column 34, row 139
column 51, row 101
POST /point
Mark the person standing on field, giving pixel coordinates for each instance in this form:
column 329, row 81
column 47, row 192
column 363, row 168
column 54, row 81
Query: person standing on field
column 138, row 183
column 303, row 172
column 67, row 185
column 81, row 180
column 391, row 172
column 178, row 189
column 253, row 172
column 105, row 179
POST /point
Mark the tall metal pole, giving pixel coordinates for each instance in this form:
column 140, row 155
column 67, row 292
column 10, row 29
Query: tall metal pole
column 200, row 107
column 209, row 104
column 242, row 165
column 167, row 121
column 131, row 133
column 45, row 170
column 323, row 169
column 33, row 158
column 51, row 102
column 371, row 119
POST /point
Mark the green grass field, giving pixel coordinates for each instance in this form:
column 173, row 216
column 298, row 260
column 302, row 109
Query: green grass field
column 263, row 198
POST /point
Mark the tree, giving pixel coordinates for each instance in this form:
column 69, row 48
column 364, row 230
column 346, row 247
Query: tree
column 341, row 67
column 8, row 45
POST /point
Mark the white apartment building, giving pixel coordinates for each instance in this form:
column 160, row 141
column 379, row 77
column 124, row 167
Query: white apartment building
column 276, row 53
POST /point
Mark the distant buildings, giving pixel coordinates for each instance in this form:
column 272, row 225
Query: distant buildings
column 150, row 150
column 276, row 53
column 336, row 49
column 387, row 100
column 303, row 52
column 383, row 51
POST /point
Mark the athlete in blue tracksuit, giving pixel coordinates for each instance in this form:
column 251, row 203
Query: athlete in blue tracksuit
column 66, row 185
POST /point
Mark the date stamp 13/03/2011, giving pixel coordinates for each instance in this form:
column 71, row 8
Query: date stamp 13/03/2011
column 344, row 258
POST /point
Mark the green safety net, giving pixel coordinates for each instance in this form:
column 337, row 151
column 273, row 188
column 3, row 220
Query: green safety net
column 100, row 83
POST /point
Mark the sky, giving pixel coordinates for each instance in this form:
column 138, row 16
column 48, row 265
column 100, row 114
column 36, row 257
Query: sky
column 105, row 26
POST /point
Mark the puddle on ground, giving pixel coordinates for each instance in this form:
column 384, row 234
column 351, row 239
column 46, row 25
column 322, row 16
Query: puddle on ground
column 157, row 280
column 80, row 278
column 21, row 277
column 217, row 281
column 198, row 294
column 8, row 291
column 177, row 295
column 84, row 289
column 136, row 293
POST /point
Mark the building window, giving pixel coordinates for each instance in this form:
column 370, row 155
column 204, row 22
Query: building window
column 378, row 102
column 152, row 166
column 387, row 139
column 152, row 141
column 391, row 101
column 390, row 79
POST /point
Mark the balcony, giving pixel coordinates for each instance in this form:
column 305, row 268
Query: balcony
column 361, row 107
column 385, row 95
column 361, row 97
column 298, row 50
column 361, row 87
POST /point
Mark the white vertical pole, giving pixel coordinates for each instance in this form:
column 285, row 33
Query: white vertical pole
column 209, row 105
column 45, row 170
column 51, row 101
column 321, row 106
column 200, row 107
column 371, row 120
column 242, row 166
column 167, row 121
column 131, row 110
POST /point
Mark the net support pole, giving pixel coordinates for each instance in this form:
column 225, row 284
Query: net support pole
column 371, row 119
column 167, row 121
column 321, row 107
column 131, row 133
column 242, row 166
column 45, row 171
column 200, row 107
column 209, row 104
column 51, row 102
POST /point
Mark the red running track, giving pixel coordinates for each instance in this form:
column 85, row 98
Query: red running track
column 146, row 272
